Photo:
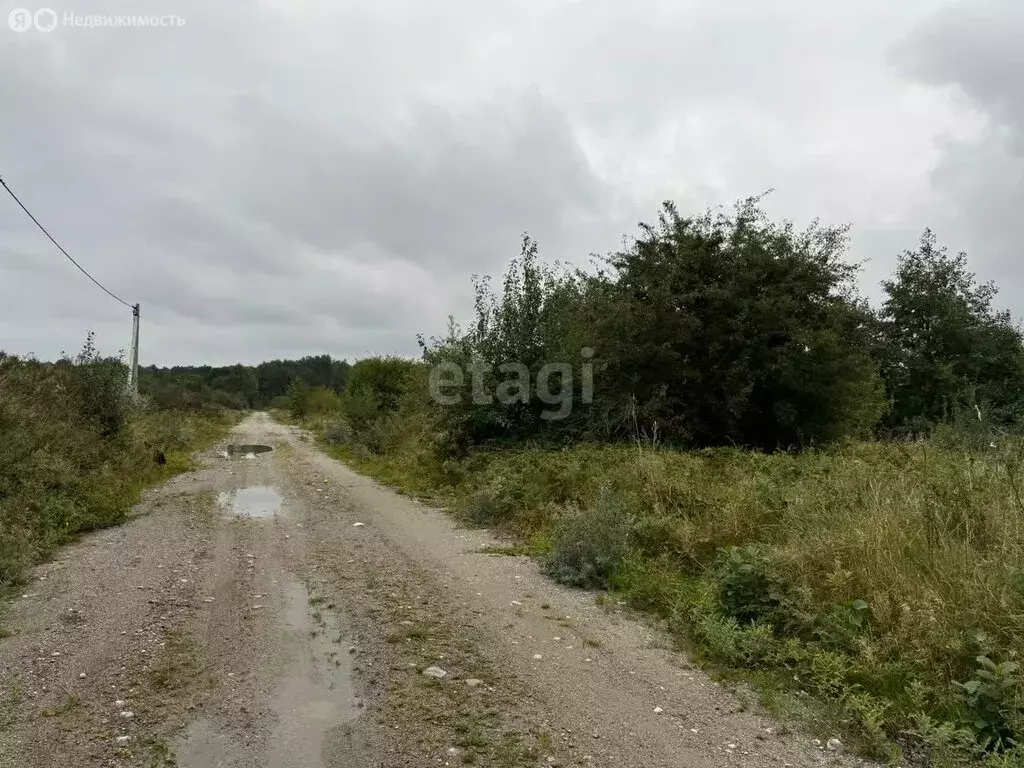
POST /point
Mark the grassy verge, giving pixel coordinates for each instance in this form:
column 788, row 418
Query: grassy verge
column 60, row 477
column 876, row 589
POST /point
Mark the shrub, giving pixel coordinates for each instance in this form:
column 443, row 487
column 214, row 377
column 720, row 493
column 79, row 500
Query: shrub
column 488, row 507
column 338, row 433
column 323, row 400
column 382, row 381
column 305, row 401
column 992, row 702
column 729, row 328
column 99, row 388
column 749, row 587
column 725, row 640
column 587, row 546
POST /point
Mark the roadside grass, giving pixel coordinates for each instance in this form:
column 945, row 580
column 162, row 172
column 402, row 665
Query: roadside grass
column 58, row 497
column 479, row 727
column 76, row 455
column 506, row 550
column 873, row 588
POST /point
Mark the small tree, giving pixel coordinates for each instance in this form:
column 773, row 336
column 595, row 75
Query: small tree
column 99, row 388
column 299, row 393
column 540, row 317
column 945, row 347
column 383, row 381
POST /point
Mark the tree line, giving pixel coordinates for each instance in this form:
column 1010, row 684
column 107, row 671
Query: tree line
column 238, row 386
column 728, row 328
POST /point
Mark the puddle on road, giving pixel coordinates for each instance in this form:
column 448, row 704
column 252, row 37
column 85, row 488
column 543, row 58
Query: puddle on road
column 243, row 450
column 312, row 703
column 202, row 746
column 254, row 501
column 316, row 696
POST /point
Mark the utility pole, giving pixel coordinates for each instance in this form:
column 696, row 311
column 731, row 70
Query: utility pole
column 133, row 371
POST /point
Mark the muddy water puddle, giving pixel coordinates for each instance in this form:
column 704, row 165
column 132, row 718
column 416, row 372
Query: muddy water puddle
column 248, row 450
column 316, row 696
column 312, row 703
column 260, row 501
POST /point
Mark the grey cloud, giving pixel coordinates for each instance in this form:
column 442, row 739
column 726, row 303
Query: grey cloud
column 974, row 49
column 444, row 189
column 288, row 178
column 239, row 174
column 975, row 46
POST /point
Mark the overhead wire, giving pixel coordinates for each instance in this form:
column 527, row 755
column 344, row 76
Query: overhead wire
column 61, row 249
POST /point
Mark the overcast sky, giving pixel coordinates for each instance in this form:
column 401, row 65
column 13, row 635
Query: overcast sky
column 294, row 177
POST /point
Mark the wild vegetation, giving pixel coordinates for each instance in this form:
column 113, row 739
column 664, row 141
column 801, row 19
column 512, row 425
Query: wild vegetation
column 77, row 451
column 821, row 495
column 239, row 387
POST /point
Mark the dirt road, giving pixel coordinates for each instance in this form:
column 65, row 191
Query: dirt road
column 282, row 611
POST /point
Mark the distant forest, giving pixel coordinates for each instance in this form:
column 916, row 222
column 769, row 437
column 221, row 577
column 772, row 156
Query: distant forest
column 205, row 387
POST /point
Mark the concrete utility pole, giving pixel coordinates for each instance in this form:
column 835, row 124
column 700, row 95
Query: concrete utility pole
column 133, row 371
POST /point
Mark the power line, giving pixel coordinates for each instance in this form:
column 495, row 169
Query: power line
column 68, row 255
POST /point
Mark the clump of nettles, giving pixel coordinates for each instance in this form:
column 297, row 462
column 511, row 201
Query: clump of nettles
column 587, row 545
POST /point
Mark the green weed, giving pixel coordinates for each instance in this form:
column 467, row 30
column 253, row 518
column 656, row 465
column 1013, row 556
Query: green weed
column 587, row 547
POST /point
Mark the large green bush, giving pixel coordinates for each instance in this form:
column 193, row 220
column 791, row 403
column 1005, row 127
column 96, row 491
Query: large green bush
column 730, row 329
column 721, row 329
